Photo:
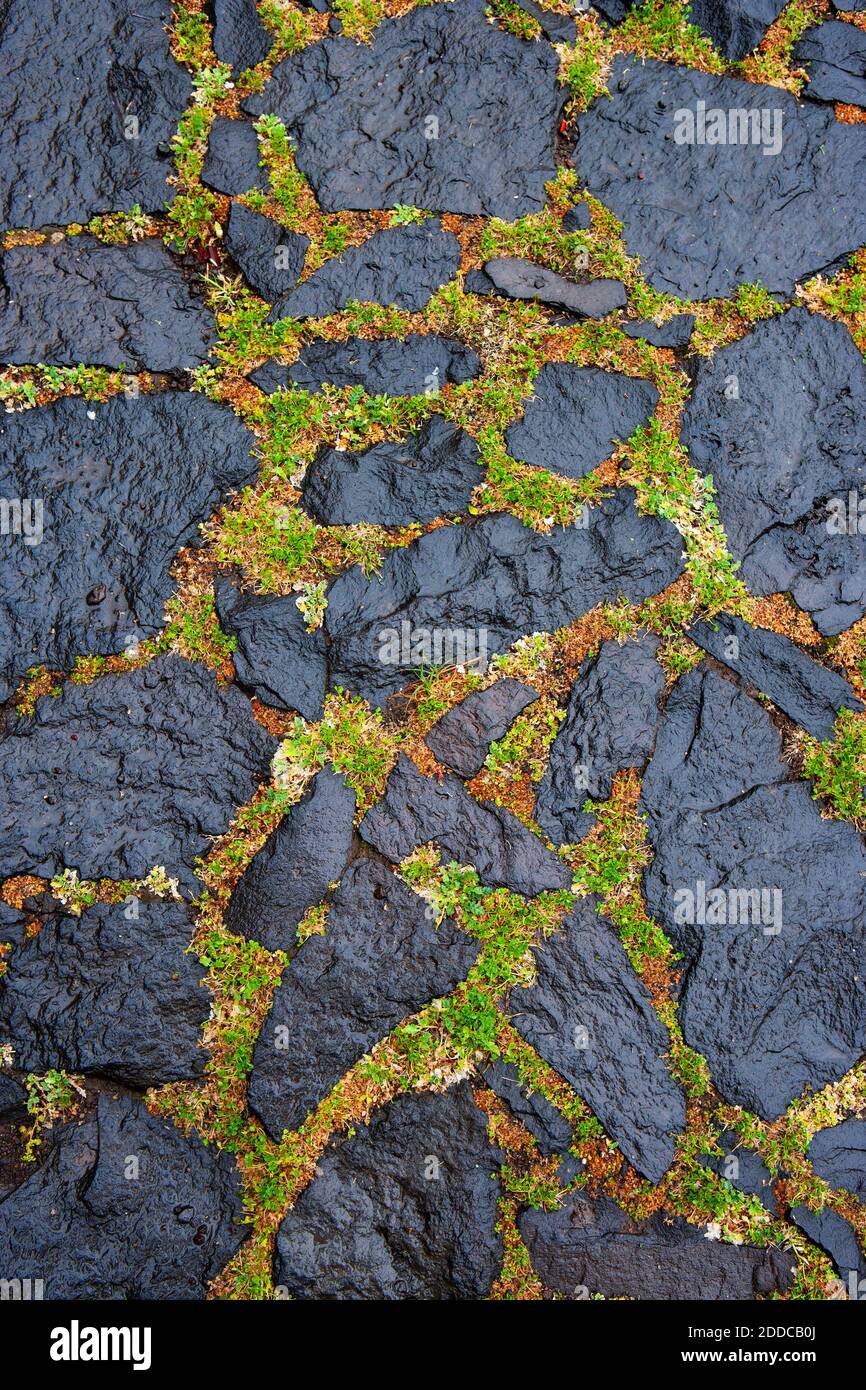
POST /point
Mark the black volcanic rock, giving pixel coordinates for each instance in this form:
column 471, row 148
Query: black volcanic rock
column 416, row 809
column 576, row 414
column 270, row 257
column 463, row 593
column 115, row 490
column 381, row 959
column 735, row 26
column 276, row 655
column 231, row 164
column 702, row 217
column 403, row 1209
column 88, row 104
column 763, row 895
column 834, row 56
column 440, row 110
column 838, row 1155
column 127, row 773
column 531, row 1108
column 112, row 991
column 590, row 1016
column 673, row 334
column 520, row 279
column 80, row 300
column 806, row 691
column 587, row 1247
column 610, row 724
column 461, row 739
column 743, row 1168
column 124, row 1207
column 432, row 473
column 779, row 421
column 836, row 1237
column 12, row 1096
column 577, row 219
column 292, row 871
column 400, row 265
column 239, row 36
column 419, row 364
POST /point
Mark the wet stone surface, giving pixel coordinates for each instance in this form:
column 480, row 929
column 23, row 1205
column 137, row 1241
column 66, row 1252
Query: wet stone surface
column 276, row 655
column 419, row 365
column 231, row 164
column 239, row 36
column 374, row 1223
column 838, row 1155
column 519, row 279
column 834, row 56
column 270, row 257
column 461, row 739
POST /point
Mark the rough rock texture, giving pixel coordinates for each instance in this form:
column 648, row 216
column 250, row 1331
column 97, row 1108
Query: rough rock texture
column 555, row 27
column 593, row 1246
column 466, row 592
column 270, row 257
column 419, row 364
column 704, row 218
column 276, row 656
column 442, row 110
column 292, row 871
column 111, row 991
column 381, row 959
column 416, row 809
column 673, row 334
column 239, row 36
column 610, row 724
column 735, row 26
column 132, row 771
column 781, row 451
column 232, row 161
column 838, row 1155
column 91, row 1231
column 577, row 219
column 834, row 56
column 743, row 1168
column 531, row 1108
column 87, row 108
column 13, row 1096
column 122, row 487
column 806, row 691
column 590, row 1017
column 520, row 279
column 432, row 473
column 834, row 1235
column 461, row 739
column 769, row 994
column 108, row 306
column 404, row 1209
column 400, row 265
column 576, row 414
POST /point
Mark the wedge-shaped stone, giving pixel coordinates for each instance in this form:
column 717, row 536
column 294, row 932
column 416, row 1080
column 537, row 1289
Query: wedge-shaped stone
column 276, row 655
column 461, row 738
column 410, row 366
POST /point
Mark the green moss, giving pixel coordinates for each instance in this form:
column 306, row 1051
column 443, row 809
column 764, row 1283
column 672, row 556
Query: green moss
column 838, row 767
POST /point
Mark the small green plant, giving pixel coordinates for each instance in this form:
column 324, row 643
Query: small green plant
column 838, row 767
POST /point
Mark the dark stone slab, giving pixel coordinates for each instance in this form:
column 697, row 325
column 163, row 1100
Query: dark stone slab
column 576, row 414
column 400, row 265
column 231, row 164
column 461, row 739
column 847, row 6
column 239, row 36
column 735, row 26
column 381, row 959
column 12, row 1096
column 441, row 110
column 673, row 334
column 769, row 994
column 836, row 1237
column 531, row 1108
column 374, row 1225
column 806, row 691
column 590, row 1016
column 127, row 773
column 122, row 486
column 463, row 593
column 70, row 91
column 88, row 1229
column 270, row 257
column 520, row 279
column 276, row 656
column 420, row 364
column 838, row 1155
column 590, row 1246
column 112, row 991
column 416, row 809
column 610, row 724
column 430, row 474
column 292, row 871
column 743, row 1168
column 834, row 56
column 704, row 218
column 783, row 456
column 577, row 219
column 109, row 306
